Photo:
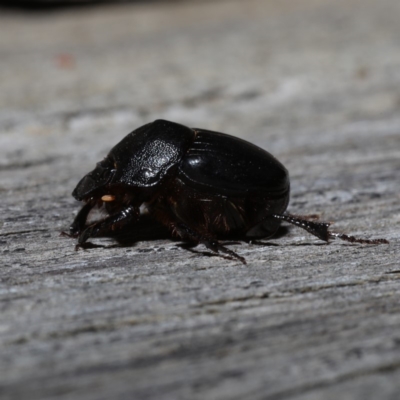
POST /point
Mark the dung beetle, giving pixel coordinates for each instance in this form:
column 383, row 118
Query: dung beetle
column 203, row 186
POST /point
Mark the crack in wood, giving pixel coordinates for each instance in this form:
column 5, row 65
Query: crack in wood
column 13, row 233
column 326, row 382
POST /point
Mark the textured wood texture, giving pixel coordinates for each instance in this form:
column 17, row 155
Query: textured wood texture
column 316, row 83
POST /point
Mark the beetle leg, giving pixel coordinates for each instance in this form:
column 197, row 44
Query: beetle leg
column 318, row 229
column 110, row 224
column 353, row 239
column 321, row 231
column 80, row 220
column 209, row 242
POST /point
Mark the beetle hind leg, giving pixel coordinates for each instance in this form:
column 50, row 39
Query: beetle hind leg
column 321, row 229
column 318, row 229
column 353, row 239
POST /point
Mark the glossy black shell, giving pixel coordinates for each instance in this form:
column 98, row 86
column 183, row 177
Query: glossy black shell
column 229, row 166
column 210, row 162
column 212, row 184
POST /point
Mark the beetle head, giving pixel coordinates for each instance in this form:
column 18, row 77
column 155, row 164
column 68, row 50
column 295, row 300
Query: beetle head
column 96, row 181
column 136, row 167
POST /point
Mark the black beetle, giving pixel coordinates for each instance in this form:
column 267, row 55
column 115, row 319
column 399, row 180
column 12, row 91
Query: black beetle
column 202, row 185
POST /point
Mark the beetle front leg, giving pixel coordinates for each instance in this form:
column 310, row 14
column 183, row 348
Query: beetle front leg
column 79, row 222
column 110, row 224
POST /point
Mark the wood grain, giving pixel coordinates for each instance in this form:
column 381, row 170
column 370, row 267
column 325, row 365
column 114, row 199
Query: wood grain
column 314, row 82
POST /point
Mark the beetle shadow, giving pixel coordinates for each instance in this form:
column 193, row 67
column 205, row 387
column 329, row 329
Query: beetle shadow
column 233, row 240
column 148, row 229
column 282, row 231
column 145, row 229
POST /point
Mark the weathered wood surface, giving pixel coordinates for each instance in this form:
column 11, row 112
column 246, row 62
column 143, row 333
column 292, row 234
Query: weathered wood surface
column 316, row 83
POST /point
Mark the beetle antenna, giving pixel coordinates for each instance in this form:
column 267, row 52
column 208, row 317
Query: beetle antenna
column 321, row 231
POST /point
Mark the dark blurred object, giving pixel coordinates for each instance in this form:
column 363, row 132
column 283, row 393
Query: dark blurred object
column 43, row 5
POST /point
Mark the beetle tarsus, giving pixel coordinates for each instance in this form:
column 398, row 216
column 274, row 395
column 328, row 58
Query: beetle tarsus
column 217, row 247
column 353, row 239
column 209, row 242
column 66, row 234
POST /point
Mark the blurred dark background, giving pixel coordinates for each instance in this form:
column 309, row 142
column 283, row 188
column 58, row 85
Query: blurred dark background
column 48, row 5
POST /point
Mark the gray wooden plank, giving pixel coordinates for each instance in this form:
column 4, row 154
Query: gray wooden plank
column 314, row 82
